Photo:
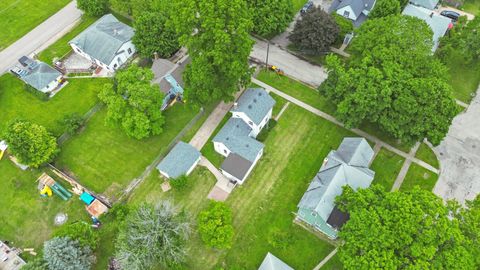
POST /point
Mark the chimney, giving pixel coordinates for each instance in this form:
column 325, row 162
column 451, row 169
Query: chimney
column 431, row 15
column 325, row 161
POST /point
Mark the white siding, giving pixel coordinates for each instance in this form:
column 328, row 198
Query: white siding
column 221, row 149
column 165, row 174
column 122, row 55
column 193, row 166
column 348, row 9
column 52, row 85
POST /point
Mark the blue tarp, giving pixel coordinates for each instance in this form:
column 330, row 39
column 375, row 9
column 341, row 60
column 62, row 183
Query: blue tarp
column 87, row 198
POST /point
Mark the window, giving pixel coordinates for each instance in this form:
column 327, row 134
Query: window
column 129, row 50
column 250, row 123
column 346, row 14
column 115, row 66
column 225, row 151
column 119, row 60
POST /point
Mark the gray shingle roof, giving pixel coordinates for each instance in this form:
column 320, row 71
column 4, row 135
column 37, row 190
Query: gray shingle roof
column 273, row 263
column 255, row 103
column 430, row 4
column 346, row 166
column 104, row 38
column 235, row 136
column 182, row 157
column 236, row 166
column 439, row 24
column 357, row 5
column 40, row 76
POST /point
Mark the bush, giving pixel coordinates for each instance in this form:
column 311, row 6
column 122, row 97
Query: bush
column 65, row 253
column 72, row 122
column 180, row 182
column 345, row 25
column 262, row 136
column 215, row 225
column 80, row 231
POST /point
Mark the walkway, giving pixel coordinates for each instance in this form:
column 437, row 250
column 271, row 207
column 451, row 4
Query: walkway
column 41, row 37
column 223, row 187
column 354, row 130
column 209, row 126
column 404, row 170
column 326, row 259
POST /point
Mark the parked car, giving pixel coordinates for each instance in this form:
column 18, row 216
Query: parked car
column 306, row 7
column 450, row 14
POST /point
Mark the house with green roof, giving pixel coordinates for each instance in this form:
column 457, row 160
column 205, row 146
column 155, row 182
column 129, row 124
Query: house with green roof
column 348, row 165
column 181, row 160
column 107, row 43
column 236, row 140
column 273, row 263
column 37, row 74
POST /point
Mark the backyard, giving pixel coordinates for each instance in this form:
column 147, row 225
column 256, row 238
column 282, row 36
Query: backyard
column 464, row 77
column 16, row 22
column 425, row 153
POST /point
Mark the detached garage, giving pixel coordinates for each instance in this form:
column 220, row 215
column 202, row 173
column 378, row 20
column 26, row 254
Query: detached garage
column 181, row 160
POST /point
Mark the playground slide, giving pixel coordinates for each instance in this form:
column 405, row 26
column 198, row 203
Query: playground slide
column 61, row 192
column 1, row 154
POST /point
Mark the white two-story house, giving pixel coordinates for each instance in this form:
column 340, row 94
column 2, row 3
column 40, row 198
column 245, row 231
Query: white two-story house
column 107, row 43
column 236, row 140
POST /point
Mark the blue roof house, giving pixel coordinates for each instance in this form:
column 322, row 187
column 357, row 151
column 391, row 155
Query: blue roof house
column 273, row 263
column 355, row 10
column 107, row 43
column 37, row 74
column 236, row 140
column 348, row 165
column 181, row 160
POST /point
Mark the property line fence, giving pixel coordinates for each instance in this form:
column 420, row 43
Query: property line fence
column 65, row 136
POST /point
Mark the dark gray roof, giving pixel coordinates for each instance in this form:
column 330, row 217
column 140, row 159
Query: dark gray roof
column 235, row 136
column 104, row 38
column 40, row 75
column 255, row 103
column 346, row 166
column 182, row 157
column 357, row 5
column 273, row 263
column 337, row 218
column 236, row 166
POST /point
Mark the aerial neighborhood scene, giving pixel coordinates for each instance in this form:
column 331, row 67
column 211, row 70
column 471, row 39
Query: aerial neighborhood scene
column 240, row 134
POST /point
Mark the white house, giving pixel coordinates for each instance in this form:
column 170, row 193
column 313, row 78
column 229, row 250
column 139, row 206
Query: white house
column 236, row 140
column 37, row 74
column 355, row 10
column 107, row 43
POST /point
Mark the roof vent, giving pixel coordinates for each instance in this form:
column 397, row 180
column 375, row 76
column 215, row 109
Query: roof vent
column 227, row 139
column 259, row 94
column 238, row 126
column 247, row 145
column 249, row 106
column 254, row 100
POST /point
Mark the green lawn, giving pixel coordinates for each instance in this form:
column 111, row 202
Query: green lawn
column 279, row 103
column 208, row 150
column 464, row 77
column 18, row 17
column 298, row 4
column 104, row 159
column 15, row 102
column 386, row 166
column 333, row 264
column 472, row 6
column 426, row 154
column 419, row 176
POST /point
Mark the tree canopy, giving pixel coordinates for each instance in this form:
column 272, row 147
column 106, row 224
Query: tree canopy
column 270, row 17
column 215, row 225
column 216, row 34
column 152, row 235
column 403, row 230
column 80, row 231
column 315, row 31
column 385, row 8
column 68, row 254
column 134, row 103
column 30, row 143
column 393, row 80
column 93, row 7
column 153, row 35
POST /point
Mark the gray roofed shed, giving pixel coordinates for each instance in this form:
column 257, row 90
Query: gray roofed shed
column 273, row 263
column 104, row 38
column 181, row 160
column 255, row 103
column 41, row 75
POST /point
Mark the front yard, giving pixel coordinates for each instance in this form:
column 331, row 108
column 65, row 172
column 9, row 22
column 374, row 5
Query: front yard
column 464, row 77
column 386, row 166
column 419, row 176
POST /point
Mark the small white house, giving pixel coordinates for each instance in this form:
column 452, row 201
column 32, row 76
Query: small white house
column 107, row 43
column 37, row 74
column 181, row 160
column 355, row 10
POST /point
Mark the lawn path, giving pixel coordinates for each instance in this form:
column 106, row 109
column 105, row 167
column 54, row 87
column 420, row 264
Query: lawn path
column 355, row 130
column 406, row 165
column 326, row 259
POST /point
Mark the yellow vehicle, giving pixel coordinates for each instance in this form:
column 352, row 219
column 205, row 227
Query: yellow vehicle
column 276, row 70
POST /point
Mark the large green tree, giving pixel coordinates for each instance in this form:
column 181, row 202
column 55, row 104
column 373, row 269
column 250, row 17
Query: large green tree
column 270, row 17
column 393, row 80
column 315, row 31
column 152, row 35
column 93, row 7
column 216, row 34
column 401, row 230
column 30, row 143
column 134, row 103
column 215, row 225
column 65, row 253
column 152, row 235
column 385, row 8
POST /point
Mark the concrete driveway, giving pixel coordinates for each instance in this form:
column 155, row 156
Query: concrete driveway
column 459, row 155
column 41, row 37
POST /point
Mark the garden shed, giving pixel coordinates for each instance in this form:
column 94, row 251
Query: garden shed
column 180, row 161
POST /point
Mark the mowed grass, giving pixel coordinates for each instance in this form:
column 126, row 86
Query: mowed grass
column 464, row 77
column 18, row 17
column 386, row 166
column 419, row 176
column 79, row 96
column 426, row 154
column 104, row 159
column 27, row 218
column 472, row 6
column 298, row 4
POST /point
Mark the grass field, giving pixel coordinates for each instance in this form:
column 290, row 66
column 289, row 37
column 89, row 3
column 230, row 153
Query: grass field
column 15, row 102
column 386, row 166
column 18, row 17
column 418, row 176
column 464, row 77
column 298, row 4
column 426, row 154
column 472, row 6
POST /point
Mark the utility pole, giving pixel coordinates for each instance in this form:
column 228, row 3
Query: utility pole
column 268, row 50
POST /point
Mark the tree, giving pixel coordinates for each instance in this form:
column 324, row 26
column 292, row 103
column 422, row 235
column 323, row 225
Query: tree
column 400, row 230
column 468, row 40
column 153, row 35
column 216, row 34
column 180, row 182
column 30, row 143
column 134, row 103
column 71, row 123
column 270, row 17
column 385, row 8
column 315, row 31
column 215, row 225
column 93, row 7
column 35, row 264
column 152, row 235
column 345, row 25
column 387, row 81
column 81, row 232
column 65, row 253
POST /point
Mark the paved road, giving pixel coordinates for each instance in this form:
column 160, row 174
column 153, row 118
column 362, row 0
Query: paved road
column 459, row 155
column 41, row 37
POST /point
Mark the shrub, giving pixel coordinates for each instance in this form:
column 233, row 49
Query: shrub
column 72, row 122
column 80, row 231
column 180, row 182
column 345, row 25
column 215, row 225
column 262, row 136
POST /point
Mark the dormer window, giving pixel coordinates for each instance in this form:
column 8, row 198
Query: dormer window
column 250, row 123
column 346, row 14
